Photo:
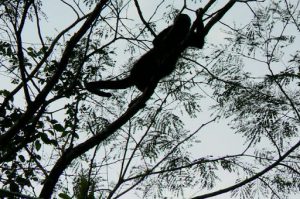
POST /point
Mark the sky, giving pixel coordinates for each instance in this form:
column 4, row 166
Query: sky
column 216, row 139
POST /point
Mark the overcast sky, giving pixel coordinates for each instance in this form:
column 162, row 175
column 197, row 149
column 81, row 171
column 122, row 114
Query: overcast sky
column 217, row 138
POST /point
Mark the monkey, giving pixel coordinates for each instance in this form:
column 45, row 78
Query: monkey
column 160, row 60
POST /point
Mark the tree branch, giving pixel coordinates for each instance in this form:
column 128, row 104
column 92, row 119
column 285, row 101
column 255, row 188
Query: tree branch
column 39, row 65
column 9, row 194
column 20, row 53
column 142, row 18
column 70, row 154
column 61, row 66
column 254, row 177
column 218, row 16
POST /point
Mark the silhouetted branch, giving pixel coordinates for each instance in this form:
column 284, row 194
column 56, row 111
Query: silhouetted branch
column 142, row 18
column 72, row 153
column 254, row 177
column 218, row 16
column 8, row 194
column 61, row 66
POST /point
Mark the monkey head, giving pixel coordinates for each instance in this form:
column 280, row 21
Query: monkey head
column 180, row 28
column 182, row 20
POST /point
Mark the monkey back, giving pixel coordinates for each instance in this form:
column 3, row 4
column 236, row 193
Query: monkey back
column 161, row 60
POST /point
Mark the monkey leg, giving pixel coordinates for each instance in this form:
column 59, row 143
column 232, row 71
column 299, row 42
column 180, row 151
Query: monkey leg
column 109, row 84
column 147, row 91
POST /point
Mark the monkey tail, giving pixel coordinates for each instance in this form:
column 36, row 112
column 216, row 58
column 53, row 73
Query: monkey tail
column 109, row 84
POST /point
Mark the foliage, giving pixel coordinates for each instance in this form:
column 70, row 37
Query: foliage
column 58, row 140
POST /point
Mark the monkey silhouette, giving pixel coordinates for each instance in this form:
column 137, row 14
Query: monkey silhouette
column 159, row 61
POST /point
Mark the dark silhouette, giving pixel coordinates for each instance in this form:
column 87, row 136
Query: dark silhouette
column 159, row 61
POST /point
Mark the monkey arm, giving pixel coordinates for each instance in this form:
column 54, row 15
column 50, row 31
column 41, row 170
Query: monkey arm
column 196, row 37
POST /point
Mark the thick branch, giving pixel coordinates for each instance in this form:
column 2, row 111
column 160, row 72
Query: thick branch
column 39, row 65
column 70, row 154
column 20, row 53
column 61, row 66
column 218, row 16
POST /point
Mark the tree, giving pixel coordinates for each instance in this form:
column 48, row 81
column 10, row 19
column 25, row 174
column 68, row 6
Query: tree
column 59, row 140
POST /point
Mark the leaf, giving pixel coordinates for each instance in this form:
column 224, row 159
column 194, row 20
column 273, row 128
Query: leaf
column 45, row 138
column 58, row 127
column 38, row 145
column 22, row 158
column 64, row 196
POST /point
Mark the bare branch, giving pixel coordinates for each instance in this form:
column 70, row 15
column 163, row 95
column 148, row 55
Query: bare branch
column 70, row 154
column 61, row 66
column 252, row 178
column 142, row 18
